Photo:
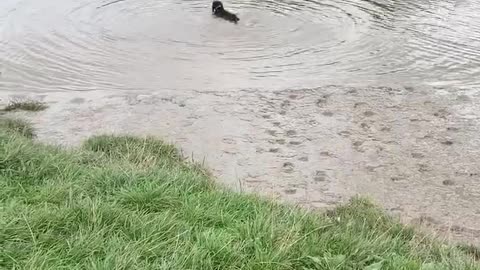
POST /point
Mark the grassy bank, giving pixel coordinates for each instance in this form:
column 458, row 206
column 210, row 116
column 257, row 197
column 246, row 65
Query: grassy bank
column 131, row 203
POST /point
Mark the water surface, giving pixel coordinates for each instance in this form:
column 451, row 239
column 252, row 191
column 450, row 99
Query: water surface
column 80, row 45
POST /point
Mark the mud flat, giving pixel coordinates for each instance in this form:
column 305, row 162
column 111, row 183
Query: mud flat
column 414, row 151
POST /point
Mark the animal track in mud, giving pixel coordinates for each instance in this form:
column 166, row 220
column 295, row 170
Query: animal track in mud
column 290, row 191
column 291, row 133
column 274, row 150
column 77, row 100
column 271, row 132
column 368, row 114
column 288, row 167
column 447, row 142
column 320, row 176
column 304, row 159
column 448, row 182
column 442, row 113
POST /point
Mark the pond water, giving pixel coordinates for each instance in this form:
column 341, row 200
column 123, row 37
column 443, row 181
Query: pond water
column 79, row 45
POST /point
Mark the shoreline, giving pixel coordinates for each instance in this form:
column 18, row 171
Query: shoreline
column 412, row 151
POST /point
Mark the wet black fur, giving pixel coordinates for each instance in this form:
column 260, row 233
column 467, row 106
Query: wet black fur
column 219, row 11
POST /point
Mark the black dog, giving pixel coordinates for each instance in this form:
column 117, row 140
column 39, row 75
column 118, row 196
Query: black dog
column 219, row 11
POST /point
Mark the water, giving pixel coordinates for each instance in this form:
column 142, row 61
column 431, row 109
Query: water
column 148, row 45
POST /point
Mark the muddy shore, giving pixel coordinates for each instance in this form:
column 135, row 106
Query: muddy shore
column 414, row 151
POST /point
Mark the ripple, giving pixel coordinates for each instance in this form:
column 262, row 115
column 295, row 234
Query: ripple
column 148, row 45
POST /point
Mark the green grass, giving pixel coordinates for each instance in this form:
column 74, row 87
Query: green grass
column 17, row 126
column 25, row 105
column 131, row 203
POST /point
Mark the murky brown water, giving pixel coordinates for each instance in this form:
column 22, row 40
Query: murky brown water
column 168, row 68
column 176, row 44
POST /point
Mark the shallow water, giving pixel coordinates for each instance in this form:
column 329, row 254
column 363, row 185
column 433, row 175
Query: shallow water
column 149, row 45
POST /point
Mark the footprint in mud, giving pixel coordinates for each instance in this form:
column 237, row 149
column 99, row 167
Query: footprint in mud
column 295, row 143
column 77, row 100
column 359, row 104
column 291, row 133
column 368, row 114
column 277, row 141
column 274, row 150
column 272, row 132
column 453, row 129
column 288, row 167
column 304, row 159
column 327, row 113
column 357, row 146
column 365, row 126
column 417, row 155
column 448, row 182
column 320, row 176
column 442, row 113
column 229, row 141
column 322, row 101
column 447, row 142
column 326, row 154
column 290, row 191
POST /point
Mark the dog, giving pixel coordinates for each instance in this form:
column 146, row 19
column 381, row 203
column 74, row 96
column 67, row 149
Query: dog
column 219, row 11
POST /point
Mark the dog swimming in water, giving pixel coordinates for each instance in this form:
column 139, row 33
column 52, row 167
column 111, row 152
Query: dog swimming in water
column 219, row 11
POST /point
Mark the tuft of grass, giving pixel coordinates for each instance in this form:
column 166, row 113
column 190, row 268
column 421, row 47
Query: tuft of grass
column 134, row 203
column 26, row 105
column 17, row 126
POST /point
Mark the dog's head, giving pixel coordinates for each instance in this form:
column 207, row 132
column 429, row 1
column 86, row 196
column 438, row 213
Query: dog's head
column 217, row 6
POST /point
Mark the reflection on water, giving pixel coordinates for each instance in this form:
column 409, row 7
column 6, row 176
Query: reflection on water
column 174, row 44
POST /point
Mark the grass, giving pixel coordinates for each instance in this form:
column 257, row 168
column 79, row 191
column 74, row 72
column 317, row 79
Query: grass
column 17, row 126
column 123, row 202
column 25, row 105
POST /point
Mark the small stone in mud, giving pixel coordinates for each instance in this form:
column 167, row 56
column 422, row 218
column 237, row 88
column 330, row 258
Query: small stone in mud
column 304, row 159
column 277, row 124
column 288, row 166
column 266, row 116
column 409, row 88
column 368, row 113
column 327, row 113
column 447, row 142
column 181, row 104
column 274, row 150
column 291, row 133
column 290, row 191
column 448, row 182
column 292, row 96
column 364, row 126
column 295, row 143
